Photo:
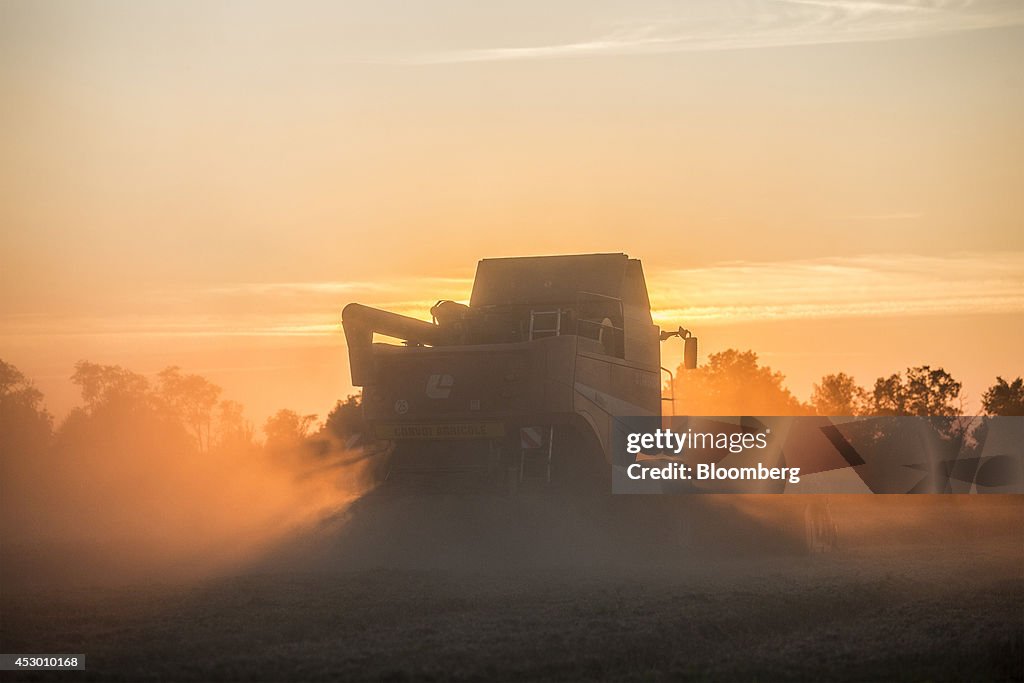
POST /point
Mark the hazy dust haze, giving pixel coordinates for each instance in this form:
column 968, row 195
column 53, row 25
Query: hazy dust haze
column 121, row 517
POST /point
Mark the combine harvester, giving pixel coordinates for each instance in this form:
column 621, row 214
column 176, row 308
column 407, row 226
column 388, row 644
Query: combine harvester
column 519, row 392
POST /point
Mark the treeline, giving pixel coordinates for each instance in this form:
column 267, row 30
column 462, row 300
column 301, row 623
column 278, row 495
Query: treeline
column 159, row 476
column 174, row 412
column 733, row 383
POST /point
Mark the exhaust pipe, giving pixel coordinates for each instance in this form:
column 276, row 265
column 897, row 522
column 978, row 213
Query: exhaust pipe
column 361, row 322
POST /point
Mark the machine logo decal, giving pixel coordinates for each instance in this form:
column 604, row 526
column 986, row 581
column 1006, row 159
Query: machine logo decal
column 401, row 406
column 440, row 386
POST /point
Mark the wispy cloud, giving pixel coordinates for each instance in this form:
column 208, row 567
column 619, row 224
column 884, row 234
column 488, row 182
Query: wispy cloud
column 239, row 309
column 895, row 216
column 840, row 287
column 719, row 294
column 758, row 24
column 329, row 287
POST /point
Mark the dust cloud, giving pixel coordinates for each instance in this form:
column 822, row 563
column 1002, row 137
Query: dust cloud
column 115, row 515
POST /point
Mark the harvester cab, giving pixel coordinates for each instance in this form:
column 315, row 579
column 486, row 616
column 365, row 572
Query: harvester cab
column 524, row 384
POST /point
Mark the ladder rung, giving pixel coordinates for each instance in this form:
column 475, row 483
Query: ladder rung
column 541, row 457
column 553, row 328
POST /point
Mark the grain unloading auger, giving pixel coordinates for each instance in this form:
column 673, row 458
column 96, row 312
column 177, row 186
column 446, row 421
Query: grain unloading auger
column 522, row 386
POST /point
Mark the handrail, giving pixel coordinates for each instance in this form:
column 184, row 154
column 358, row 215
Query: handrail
column 602, row 296
column 671, row 388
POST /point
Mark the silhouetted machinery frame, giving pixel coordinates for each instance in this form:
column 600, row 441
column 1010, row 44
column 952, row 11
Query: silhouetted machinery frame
column 522, row 385
column 522, row 390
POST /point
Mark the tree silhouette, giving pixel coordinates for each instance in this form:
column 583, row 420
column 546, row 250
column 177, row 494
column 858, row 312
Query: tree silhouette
column 234, row 432
column 839, row 395
column 286, row 430
column 193, row 398
column 346, row 419
column 1004, row 398
column 111, row 387
column 922, row 391
column 732, row 383
column 25, row 425
column 122, row 417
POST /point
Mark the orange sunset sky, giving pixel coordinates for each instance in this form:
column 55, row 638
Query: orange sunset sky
column 837, row 185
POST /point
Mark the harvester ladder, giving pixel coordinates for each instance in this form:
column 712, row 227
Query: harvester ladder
column 547, row 458
column 545, row 323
